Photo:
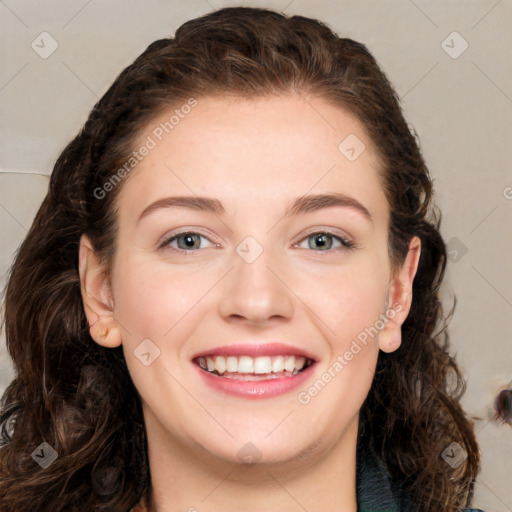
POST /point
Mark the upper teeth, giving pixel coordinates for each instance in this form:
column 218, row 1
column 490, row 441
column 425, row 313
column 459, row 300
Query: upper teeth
column 247, row 364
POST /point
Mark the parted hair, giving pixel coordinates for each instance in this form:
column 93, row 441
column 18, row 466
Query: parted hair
column 78, row 396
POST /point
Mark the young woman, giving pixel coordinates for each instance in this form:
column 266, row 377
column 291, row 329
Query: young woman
column 229, row 298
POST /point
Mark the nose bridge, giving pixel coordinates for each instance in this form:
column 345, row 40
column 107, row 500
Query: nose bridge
column 255, row 290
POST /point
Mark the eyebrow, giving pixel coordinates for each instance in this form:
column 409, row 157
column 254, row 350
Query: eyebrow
column 303, row 204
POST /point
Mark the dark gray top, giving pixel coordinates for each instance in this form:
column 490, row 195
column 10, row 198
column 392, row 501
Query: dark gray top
column 376, row 490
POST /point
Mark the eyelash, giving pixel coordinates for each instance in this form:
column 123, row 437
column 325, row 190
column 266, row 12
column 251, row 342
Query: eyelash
column 345, row 244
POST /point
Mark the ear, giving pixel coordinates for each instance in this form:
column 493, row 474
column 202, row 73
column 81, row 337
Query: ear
column 399, row 298
column 97, row 297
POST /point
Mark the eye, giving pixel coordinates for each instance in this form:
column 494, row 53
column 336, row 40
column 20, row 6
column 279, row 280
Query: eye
column 188, row 241
column 322, row 241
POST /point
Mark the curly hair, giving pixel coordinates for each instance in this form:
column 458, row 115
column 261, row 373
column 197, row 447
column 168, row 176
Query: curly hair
column 78, row 396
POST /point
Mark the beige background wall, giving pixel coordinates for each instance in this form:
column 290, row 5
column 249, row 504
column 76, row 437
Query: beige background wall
column 451, row 64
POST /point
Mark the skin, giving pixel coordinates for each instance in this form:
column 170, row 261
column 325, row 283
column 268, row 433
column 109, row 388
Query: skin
column 256, row 156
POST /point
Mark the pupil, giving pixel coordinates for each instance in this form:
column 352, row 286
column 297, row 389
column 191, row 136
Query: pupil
column 189, row 240
column 320, row 237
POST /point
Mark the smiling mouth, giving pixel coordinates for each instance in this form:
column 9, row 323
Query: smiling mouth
column 247, row 368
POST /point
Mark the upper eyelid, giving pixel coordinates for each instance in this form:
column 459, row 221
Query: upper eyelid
column 329, row 232
column 184, row 231
column 345, row 241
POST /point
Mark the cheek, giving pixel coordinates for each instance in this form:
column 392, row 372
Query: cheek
column 349, row 300
column 350, row 305
column 150, row 301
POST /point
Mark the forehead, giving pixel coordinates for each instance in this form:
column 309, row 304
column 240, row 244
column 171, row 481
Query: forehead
column 262, row 148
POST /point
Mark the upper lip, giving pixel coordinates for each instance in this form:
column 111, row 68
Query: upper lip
column 256, row 349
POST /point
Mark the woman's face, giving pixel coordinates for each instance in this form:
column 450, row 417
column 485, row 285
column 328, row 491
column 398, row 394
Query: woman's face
column 239, row 275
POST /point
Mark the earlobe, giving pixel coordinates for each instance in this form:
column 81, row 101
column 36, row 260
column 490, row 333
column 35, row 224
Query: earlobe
column 97, row 297
column 400, row 298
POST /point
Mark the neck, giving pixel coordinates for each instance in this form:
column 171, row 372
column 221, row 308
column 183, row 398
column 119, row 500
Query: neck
column 191, row 479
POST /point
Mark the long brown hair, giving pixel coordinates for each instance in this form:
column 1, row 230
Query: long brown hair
column 78, row 396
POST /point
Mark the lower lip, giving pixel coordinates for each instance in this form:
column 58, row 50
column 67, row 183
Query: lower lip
column 255, row 389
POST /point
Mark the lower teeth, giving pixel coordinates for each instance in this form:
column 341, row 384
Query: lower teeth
column 255, row 377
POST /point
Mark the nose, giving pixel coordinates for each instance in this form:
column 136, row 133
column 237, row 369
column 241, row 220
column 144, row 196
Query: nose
column 256, row 291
